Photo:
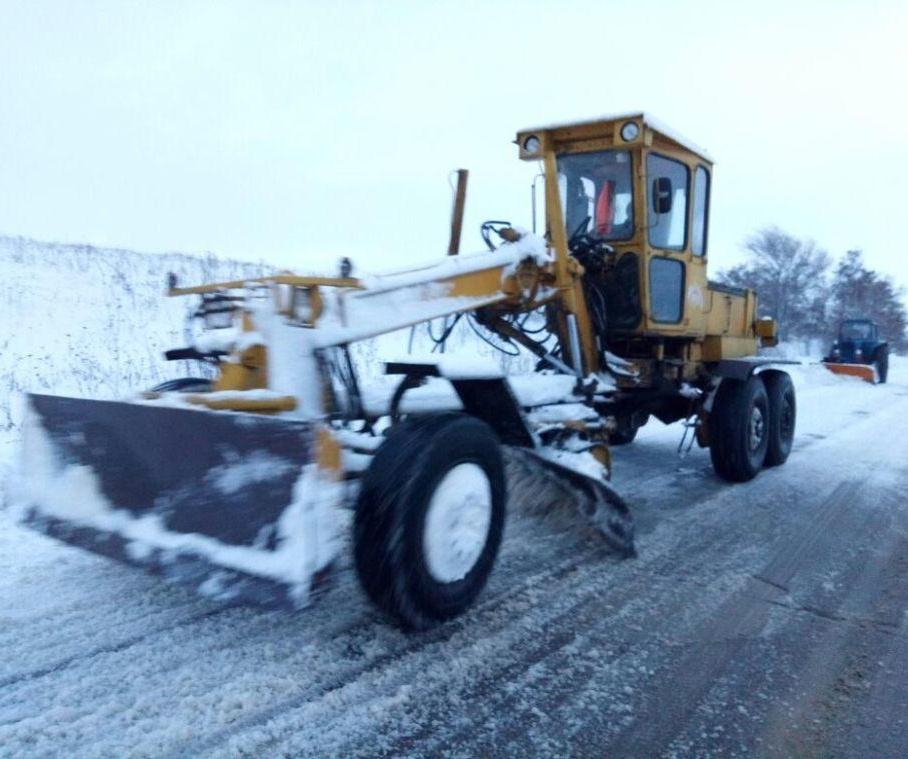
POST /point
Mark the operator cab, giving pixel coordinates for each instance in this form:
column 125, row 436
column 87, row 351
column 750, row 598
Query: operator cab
column 632, row 206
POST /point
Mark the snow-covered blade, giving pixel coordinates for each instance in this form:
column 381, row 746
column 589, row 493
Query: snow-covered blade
column 229, row 502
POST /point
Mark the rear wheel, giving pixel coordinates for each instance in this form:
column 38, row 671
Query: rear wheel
column 782, row 415
column 882, row 364
column 739, row 429
column 429, row 518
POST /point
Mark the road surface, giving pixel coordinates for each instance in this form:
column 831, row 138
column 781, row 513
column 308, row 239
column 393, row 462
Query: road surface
column 759, row 619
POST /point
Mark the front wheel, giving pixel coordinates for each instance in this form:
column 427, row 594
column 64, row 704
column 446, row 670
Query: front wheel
column 429, row 518
column 739, row 429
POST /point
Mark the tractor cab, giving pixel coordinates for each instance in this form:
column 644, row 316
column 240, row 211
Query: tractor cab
column 857, row 331
column 859, row 351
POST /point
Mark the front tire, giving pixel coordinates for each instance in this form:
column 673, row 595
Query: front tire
column 739, row 429
column 429, row 518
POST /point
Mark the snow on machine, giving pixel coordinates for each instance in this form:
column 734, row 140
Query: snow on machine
column 859, row 352
column 240, row 485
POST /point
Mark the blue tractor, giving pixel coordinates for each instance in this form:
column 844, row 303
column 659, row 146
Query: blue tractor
column 859, row 351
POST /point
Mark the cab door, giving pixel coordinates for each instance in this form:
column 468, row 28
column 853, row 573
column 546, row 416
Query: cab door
column 668, row 189
column 675, row 279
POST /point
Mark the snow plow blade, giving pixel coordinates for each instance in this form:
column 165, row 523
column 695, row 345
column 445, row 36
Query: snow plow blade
column 865, row 371
column 228, row 502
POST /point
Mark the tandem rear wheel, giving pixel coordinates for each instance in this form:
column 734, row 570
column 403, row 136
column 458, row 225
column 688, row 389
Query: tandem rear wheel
column 429, row 518
column 752, row 425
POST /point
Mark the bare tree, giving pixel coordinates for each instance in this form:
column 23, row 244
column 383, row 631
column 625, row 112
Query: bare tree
column 859, row 292
column 790, row 277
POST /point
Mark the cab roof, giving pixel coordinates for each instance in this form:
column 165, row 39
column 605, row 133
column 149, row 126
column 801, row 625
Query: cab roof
column 646, row 118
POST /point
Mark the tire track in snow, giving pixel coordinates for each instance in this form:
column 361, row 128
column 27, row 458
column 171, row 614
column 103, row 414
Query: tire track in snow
column 759, row 488
column 561, row 609
column 119, row 645
column 550, row 683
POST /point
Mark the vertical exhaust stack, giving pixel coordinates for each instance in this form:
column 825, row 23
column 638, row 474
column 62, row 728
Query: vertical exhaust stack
column 460, row 201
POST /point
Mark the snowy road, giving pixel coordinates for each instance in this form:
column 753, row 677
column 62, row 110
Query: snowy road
column 761, row 618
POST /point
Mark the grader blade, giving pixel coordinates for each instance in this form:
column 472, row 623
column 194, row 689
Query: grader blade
column 864, row 371
column 225, row 501
column 606, row 511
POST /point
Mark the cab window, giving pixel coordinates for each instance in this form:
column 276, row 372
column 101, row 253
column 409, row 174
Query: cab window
column 597, row 194
column 700, row 211
column 668, row 182
column 666, row 287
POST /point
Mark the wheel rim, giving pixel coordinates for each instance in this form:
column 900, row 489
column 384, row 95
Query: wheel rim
column 457, row 522
column 756, row 428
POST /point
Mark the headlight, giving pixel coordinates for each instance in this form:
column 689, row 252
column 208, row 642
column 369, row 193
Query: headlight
column 630, row 131
column 532, row 144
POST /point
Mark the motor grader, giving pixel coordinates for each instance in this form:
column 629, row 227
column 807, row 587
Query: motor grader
column 243, row 484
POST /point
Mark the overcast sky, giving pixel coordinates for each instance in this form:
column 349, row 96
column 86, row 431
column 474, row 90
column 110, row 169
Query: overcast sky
column 296, row 132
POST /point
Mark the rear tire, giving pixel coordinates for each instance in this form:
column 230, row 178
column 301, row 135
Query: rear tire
column 429, row 518
column 782, row 417
column 739, row 429
column 882, row 365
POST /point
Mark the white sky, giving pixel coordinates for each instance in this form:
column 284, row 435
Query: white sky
column 296, row 132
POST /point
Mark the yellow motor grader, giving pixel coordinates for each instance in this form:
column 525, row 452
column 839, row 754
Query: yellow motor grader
column 240, row 484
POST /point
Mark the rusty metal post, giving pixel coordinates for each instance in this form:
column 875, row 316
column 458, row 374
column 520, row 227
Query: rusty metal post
column 460, row 199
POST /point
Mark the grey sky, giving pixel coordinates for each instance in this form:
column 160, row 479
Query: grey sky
column 297, row 132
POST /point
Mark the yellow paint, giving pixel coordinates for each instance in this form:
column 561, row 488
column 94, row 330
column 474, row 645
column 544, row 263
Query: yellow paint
column 258, row 405
column 328, row 452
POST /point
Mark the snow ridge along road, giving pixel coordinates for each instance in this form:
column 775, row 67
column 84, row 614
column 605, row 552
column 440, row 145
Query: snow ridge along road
column 764, row 618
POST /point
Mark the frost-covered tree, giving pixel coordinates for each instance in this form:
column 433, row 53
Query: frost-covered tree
column 859, row 292
column 790, row 277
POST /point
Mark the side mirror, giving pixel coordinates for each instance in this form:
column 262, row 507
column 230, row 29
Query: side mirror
column 662, row 195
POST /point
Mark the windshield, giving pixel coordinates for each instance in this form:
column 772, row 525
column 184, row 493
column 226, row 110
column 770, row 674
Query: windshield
column 857, row 331
column 597, row 194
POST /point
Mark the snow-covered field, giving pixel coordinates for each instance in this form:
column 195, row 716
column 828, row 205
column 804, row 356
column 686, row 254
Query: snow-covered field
column 85, row 321
column 765, row 618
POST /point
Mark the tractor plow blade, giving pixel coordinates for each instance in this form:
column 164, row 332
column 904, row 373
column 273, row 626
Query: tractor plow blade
column 231, row 503
column 865, row 371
